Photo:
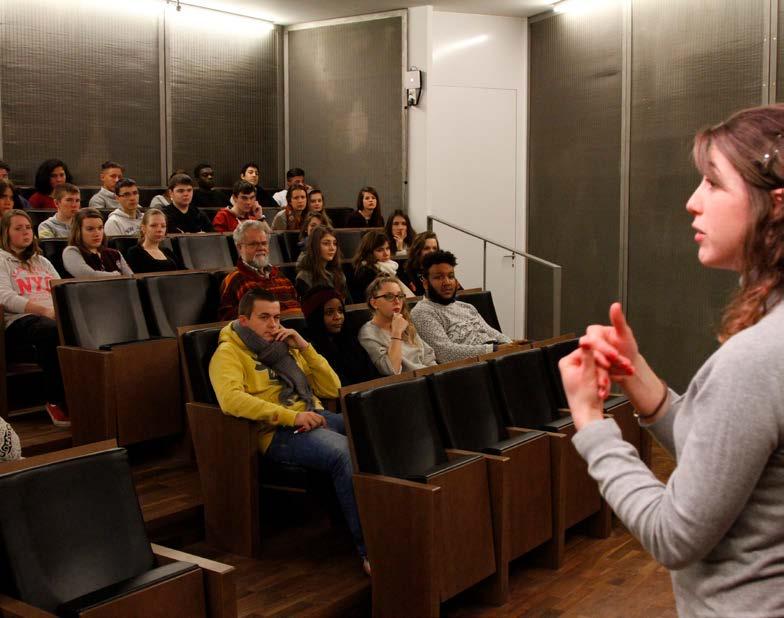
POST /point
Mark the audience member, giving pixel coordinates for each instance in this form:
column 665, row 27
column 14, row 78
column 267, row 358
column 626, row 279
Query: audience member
column 111, row 174
column 424, row 243
column 325, row 314
column 368, row 212
column 250, row 173
column 26, row 297
column 5, row 174
column 389, row 338
column 87, row 254
column 254, row 271
column 243, row 208
column 164, row 199
column 67, row 201
column 295, row 176
column 125, row 221
column 182, row 217
column 205, row 194
column 6, row 196
column 371, row 260
column 317, row 203
column 321, row 264
column 10, row 447
column 291, row 217
column 311, row 222
column 50, row 173
column 399, row 233
column 454, row 329
column 271, row 375
column 148, row 256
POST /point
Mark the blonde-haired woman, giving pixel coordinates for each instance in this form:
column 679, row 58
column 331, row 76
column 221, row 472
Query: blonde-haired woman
column 148, row 256
column 389, row 338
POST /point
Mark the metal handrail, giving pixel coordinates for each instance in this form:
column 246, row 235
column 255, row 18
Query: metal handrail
column 557, row 270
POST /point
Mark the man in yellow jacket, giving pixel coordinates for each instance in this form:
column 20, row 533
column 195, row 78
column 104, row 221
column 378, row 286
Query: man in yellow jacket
column 270, row 374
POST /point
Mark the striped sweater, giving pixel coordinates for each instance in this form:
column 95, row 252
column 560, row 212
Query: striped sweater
column 245, row 278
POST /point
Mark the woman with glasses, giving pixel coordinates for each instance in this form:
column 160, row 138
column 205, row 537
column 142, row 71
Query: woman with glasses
column 389, row 338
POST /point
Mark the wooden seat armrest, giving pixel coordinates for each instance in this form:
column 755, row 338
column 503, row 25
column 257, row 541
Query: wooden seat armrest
column 395, row 482
column 14, row 608
column 166, row 555
column 453, row 453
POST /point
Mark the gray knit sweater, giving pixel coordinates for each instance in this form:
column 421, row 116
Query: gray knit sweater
column 718, row 524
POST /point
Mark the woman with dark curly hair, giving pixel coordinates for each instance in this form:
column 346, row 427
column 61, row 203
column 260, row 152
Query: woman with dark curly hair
column 51, row 173
column 717, row 521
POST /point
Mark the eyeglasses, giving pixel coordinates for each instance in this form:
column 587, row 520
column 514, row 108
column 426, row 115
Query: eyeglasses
column 391, row 297
column 256, row 245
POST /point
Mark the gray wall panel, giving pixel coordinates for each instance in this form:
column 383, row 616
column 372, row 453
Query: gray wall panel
column 574, row 165
column 345, row 102
column 693, row 64
column 224, row 97
column 80, row 85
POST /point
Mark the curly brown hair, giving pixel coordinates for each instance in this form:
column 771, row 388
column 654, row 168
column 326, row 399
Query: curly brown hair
column 752, row 140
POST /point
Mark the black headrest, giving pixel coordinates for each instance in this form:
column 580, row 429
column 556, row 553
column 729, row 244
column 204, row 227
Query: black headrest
column 297, row 322
column 204, row 251
column 466, row 404
column 554, row 353
column 71, row 527
column 179, row 300
column 483, row 301
column 198, row 346
column 357, row 318
column 523, row 388
column 277, row 250
column 52, row 250
column 100, row 313
column 393, row 429
column 349, row 241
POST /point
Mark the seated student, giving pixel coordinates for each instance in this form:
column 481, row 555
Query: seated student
column 399, row 233
column 295, row 176
column 270, row 374
column 325, row 314
column 50, row 173
column 368, row 212
column 243, row 208
column 371, row 260
column 311, row 222
column 292, row 216
column 164, row 199
column 250, row 173
column 205, row 193
column 87, row 254
column 424, row 243
column 148, row 256
column 6, row 196
column 26, row 296
column 111, row 174
column 125, row 221
column 454, row 329
column 321, row 264
column 68, row 201
column 10, row 447
column 389, row 338
column 317, row 203
column 253, row 271
column 182, row 217
column 5, row 174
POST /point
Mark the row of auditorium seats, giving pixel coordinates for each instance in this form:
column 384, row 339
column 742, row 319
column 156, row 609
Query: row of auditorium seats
column 213, row 251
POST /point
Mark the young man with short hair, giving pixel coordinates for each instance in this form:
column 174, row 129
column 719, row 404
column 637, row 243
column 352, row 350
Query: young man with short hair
column 67, row 200
column 254, row 271
column 295, row 176
column 111, row 174
column 454, row 329
column 205, row 194
column 269, row 374
column 182, row 217
column 244, row 207
column 126, row 220
column 250, row 173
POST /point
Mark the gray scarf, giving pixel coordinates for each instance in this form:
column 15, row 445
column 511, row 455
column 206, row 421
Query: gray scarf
column 282, row 366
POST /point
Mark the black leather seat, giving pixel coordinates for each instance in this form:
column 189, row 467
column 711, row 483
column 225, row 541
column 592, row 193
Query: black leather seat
column 297, row 322
column 483, row 301
column 204, row 251
column 289, row 242
column 174, row 300
column 356, row 318
column 339, row 216
column 59, row 526
column 123, row 243
column 277, row 252
column 52, row 250
column 349, row 241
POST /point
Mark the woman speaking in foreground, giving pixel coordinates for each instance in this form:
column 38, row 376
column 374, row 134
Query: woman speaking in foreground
column 718, row 524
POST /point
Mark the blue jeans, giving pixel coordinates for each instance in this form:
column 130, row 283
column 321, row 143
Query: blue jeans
column 326, row 450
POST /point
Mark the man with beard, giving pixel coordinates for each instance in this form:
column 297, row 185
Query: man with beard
column 454, row 329
column 254, row 271
column 205, row 193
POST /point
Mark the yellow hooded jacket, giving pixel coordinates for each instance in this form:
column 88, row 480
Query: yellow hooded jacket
column 244, row 391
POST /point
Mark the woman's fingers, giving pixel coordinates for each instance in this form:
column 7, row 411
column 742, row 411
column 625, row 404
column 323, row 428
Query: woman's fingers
column 618, row 319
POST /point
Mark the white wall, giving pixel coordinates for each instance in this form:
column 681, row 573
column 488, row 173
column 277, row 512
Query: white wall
column 467, row 144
